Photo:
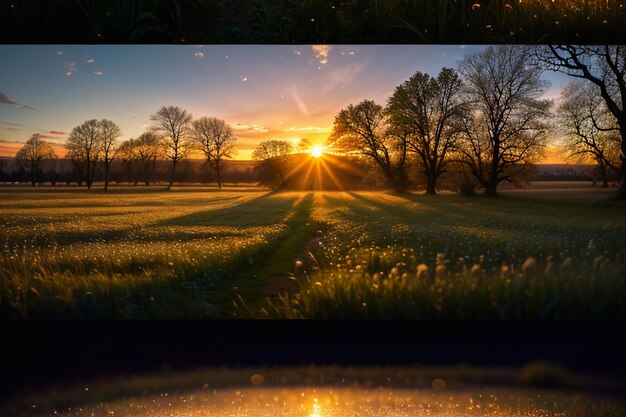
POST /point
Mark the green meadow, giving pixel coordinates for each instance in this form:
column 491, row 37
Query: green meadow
column 247, row 252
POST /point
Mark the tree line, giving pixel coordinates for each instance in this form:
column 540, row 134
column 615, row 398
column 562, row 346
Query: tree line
column 173, row 136
column 484, row 120
column 487, row 119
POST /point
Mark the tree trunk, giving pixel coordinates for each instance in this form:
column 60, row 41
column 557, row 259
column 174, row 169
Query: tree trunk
column 219, row 176
column 146, row 174
column 621, row 190
column 169, row 187
column 33, row 175
column 490, row 189
column 88, row 179
column 431, row 183
column 106, row 176
column 603, row 176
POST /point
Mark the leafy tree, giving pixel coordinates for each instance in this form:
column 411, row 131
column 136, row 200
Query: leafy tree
column 429, row 110
column 589, row 128
column 109, row 132
column 34, row 151
column 605, row 68
column 84, row 147
column 506, row 130
column 276, row 157
column 364, row 129
column 214, row 137
column 173, row 123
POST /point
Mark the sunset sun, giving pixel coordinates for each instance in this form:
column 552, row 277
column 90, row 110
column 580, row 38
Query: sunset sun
column 317, row 151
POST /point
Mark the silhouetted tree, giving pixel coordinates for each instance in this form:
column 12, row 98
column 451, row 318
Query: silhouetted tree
column 149, row 150
column 506, row 129
column 364, row 129
column 276, row 157
column 127, row 154
column 589, row 128
column 84, row 147
column 172, row 123
column 429, row 109
column 108, row 134
column 214, row 137
column 605, row 68
column 34, row 151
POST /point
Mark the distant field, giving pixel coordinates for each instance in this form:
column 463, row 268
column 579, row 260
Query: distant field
column 198, row 252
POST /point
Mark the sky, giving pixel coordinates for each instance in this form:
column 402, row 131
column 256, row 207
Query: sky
column 263, row 91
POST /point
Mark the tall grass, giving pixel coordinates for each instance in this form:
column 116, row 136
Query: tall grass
column 317, row 21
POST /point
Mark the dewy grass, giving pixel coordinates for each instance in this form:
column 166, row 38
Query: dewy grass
column 191, row 253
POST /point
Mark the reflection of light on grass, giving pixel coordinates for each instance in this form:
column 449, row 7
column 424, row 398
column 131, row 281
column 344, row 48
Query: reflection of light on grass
column 316, row 410
column 317, row 151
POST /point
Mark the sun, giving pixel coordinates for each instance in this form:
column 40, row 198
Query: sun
column 317, row 151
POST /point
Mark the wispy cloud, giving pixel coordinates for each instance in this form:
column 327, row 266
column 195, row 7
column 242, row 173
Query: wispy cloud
column 199, row 55
column 342, row 76
column 59, row 53
column 250, row 128
column 56, row 132
column 309, row 128
column 89, row 59
column 70, row 68
column 98, row 73
column 7, row 100
column 297, row 51
column 13, row 128
column 300, row 104
column 10, row 123
column 321, row 52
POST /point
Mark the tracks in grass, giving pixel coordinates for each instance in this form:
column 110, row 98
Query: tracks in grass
column 245, row 293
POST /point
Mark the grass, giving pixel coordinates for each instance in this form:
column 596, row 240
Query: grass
column 204, row 391
column 315, row 21
column 197, row 253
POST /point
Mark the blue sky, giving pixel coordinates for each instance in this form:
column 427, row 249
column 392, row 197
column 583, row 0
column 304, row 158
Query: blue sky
column 263, row 91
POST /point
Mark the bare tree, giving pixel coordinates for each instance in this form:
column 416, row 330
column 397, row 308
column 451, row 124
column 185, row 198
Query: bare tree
column 214, row 137
column 172, row 123
column 589, row 128
column 34, row 151
column 363, row 129
column 506, row 130
column 429, row 110
column 276, row 157
column 605, row 68
column 109, row 132
column 84, row 146
column 149, row 150
column 127, row 154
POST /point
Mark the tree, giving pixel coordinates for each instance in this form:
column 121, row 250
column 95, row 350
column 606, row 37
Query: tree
column 507, row 128
column 589, row 128
column 605, row 68
column 429, row 110
column 149, row 150
column 109, row 132
column 172, row 123
column 214, row 137
column 363, row 129
column 127, row 154
column 84, row 147
column 276, row 161
column 34, row 151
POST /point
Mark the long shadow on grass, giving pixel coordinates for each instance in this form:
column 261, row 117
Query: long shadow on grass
column 188, row 291
column 265, row 210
